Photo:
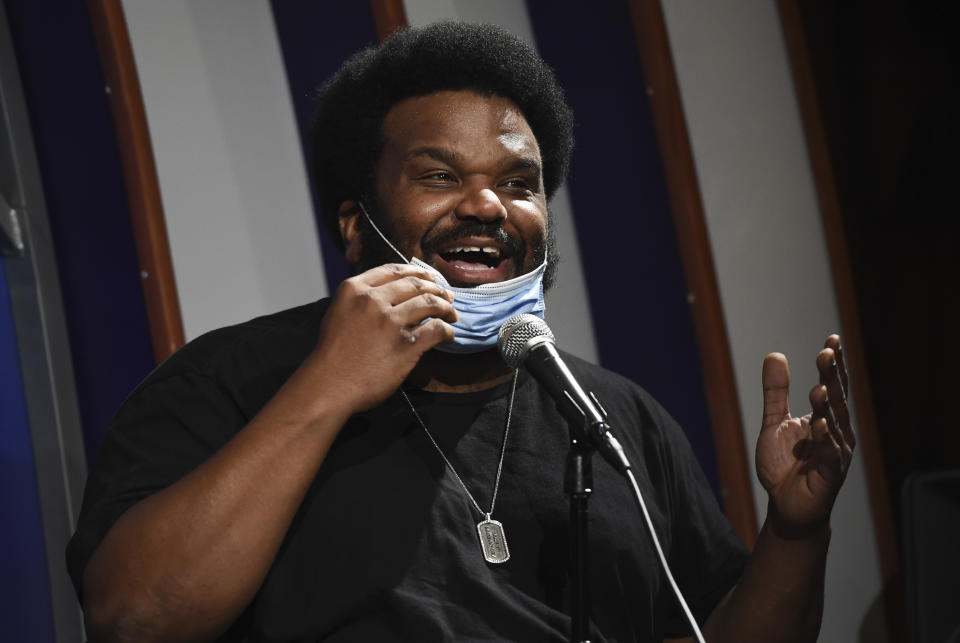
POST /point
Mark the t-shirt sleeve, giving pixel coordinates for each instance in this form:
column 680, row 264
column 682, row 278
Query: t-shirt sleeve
column 706, row 556
column 165, row 429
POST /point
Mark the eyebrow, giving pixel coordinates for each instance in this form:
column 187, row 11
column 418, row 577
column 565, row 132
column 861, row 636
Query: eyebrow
column 525, row 163
column 444, row 155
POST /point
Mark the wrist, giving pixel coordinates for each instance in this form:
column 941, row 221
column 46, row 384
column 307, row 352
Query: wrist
column 317, row 397
column 787, row 530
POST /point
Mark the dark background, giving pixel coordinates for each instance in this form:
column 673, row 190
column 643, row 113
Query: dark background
column 886, row 82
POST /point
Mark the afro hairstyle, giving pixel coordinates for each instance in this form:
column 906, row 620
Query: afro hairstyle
column 347, row 137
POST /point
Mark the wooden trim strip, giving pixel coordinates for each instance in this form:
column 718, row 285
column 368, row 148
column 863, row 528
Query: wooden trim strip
column 140, row 176
column 697, row 258
column 388, row 16
column 834, row 231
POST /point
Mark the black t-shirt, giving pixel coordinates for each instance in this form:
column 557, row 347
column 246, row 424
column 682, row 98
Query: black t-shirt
column 384, row 546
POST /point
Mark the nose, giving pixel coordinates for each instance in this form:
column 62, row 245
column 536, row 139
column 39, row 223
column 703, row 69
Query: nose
column 481, row 204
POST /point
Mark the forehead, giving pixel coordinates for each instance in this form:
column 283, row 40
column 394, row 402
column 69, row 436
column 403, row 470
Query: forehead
column 462, row 120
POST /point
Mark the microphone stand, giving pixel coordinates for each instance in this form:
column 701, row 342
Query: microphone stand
column 578, row 485
column 586, row 421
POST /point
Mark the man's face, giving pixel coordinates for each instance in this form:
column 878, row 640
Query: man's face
column 459, row 185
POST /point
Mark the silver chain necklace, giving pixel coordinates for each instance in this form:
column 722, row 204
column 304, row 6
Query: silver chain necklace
column 493, row 540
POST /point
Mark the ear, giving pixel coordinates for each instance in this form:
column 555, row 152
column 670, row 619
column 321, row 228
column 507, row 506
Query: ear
column 351, row 231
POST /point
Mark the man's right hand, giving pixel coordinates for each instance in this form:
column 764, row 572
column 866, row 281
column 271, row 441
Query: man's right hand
column 378, row 325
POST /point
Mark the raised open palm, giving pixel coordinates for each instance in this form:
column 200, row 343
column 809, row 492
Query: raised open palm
column 802, row 461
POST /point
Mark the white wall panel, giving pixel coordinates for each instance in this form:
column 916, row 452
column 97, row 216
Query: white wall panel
column 232, row 179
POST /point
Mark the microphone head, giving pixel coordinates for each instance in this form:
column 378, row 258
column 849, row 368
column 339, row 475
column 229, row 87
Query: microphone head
column 519, row 334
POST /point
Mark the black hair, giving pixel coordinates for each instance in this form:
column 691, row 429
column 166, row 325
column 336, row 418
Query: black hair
column 347, row 131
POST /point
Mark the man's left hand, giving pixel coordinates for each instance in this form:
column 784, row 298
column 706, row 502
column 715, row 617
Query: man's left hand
column 802, row 461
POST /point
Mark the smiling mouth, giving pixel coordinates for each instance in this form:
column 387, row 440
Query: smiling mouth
column 474, row 257
column 474, row 253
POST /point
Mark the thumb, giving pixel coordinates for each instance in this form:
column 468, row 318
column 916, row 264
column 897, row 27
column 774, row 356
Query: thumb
column 776, row 389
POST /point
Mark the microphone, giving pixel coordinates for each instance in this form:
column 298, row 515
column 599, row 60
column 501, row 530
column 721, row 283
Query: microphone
column 526, row 339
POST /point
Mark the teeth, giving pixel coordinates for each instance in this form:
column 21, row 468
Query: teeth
column 490, row 250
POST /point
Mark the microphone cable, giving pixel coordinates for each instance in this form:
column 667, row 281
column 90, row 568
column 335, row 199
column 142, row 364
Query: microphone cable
column 663, row 559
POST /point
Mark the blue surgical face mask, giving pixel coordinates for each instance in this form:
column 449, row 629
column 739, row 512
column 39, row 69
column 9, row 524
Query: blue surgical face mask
column 484, row 308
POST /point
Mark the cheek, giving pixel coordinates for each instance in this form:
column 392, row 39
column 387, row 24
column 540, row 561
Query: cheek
column 530, row 209
column 417, row 217
column 415, row 206
column 531, row 218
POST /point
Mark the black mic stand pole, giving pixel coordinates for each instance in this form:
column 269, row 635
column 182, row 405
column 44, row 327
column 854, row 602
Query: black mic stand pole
column 588, row 429
column 578, row 484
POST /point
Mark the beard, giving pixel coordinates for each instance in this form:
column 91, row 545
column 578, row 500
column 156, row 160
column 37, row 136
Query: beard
column 376, row 252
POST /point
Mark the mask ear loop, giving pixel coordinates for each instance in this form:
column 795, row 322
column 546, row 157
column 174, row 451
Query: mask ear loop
column 377, row 230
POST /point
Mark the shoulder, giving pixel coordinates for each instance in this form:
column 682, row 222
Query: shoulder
column 244, row 363
column 594, row 373
column 607, row 385
column 205, row 392
column 637, row 418
column 264, row 342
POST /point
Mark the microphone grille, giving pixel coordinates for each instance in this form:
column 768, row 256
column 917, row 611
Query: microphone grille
column 516, row 332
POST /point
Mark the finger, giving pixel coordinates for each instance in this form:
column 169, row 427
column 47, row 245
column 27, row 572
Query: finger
column 833, row 342
column 830, row 376
column 776, row 389
column 822, row 411
column 391, row 272
column 430, row 333
column 820, row 431
column 825, row 364
column 416, row 309
column 397, row 291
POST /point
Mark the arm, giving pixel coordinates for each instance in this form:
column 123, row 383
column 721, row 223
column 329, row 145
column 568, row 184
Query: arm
column 183, row 563
column 802, row 463
column 780, row 595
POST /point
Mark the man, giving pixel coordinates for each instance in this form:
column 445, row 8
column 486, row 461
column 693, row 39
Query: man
column 324, row 473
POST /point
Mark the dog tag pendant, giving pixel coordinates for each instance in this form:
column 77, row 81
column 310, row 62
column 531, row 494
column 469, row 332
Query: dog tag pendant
column 493, row 541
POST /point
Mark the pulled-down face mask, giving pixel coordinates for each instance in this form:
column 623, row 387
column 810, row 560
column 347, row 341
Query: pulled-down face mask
column 482, row 309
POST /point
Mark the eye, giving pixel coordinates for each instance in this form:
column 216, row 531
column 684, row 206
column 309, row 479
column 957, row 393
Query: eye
column 441, row 176
column 518, row 184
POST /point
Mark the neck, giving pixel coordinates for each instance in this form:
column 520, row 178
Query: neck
column 440, row 372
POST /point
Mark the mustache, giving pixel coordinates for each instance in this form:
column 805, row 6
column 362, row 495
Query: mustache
column 494, row 231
